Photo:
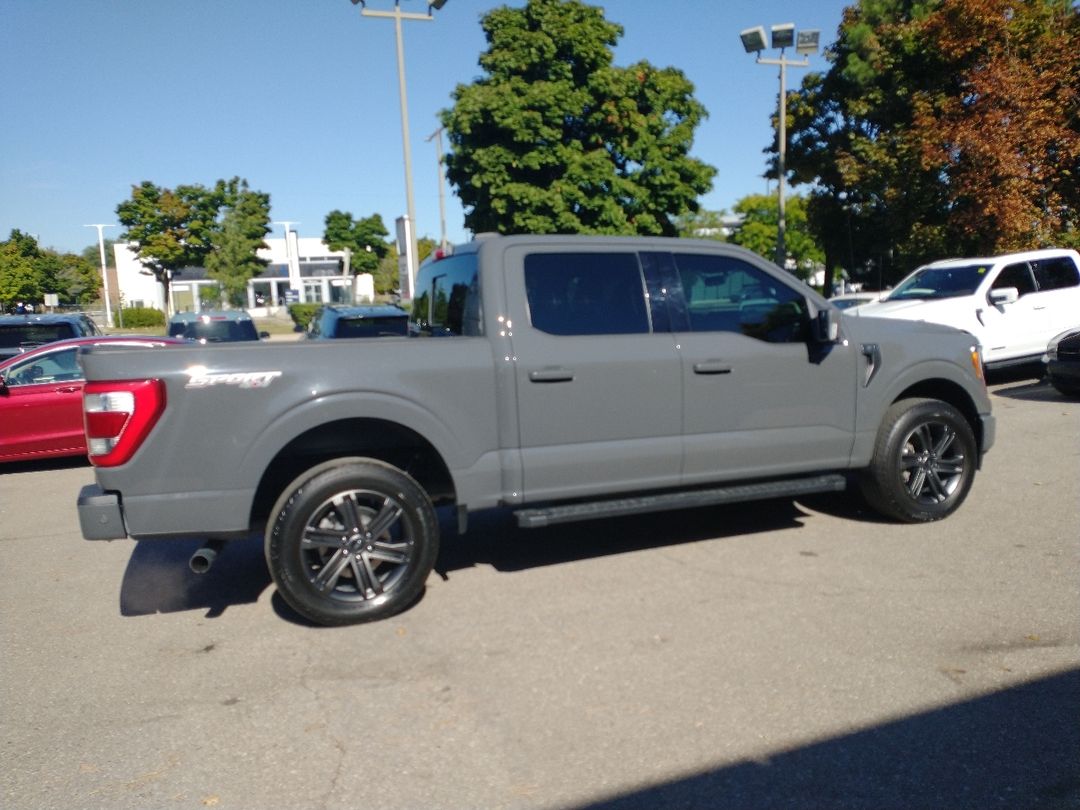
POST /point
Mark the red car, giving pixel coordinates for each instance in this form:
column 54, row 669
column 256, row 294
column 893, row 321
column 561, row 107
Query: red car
column 41, row 398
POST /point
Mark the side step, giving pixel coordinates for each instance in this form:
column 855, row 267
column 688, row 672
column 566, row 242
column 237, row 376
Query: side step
column 691, row 499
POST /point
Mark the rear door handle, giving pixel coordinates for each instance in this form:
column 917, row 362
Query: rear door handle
column 712, row 367
column 551, row 375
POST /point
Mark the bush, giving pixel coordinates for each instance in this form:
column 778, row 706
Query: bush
column 302, row 314
column 142, row 317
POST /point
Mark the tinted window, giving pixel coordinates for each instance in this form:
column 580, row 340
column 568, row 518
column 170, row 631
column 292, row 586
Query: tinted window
column 586, row 293
column 34, row 334
column 447, row 298
column 1015, row 275
column 1056, row 273
column 724, row 294
column 372, row 327
column 215, row 331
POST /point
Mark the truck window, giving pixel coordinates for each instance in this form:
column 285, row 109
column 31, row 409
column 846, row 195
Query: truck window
column 586, row 293
column 1015, row 275
column 724, row 294
column 1056, row 273
column 447, row 301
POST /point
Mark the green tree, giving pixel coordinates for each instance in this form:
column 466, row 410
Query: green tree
column 20, row 279
column 760, row 222
column 233, row 259
column 554, row 138
column 365, row 239
column 171, row 229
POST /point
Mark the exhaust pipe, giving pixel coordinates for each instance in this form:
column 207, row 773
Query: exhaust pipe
column 202, row 559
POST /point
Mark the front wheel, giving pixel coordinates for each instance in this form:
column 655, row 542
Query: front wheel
column 352, row 542
column 924, row 461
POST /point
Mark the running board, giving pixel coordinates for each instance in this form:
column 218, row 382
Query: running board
column 691, row 499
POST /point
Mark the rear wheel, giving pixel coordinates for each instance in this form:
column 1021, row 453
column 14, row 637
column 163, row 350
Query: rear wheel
column 352, row 542
column 924, row 461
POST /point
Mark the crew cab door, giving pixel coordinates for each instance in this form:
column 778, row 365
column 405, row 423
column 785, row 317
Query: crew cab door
column 762, row 397
column 599, row 393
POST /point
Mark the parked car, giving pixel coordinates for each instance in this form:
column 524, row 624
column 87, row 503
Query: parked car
column 1063, row 362
column 1014, row 304
column 854, row 299
column 41, row 397
column 215, row 326
column 18, row 333
column 336, row 321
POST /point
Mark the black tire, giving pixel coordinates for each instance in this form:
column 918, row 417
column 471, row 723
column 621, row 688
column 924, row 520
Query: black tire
column 351, row 541
column 924, row 462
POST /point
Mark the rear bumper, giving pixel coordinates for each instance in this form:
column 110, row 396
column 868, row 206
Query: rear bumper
column 100, row 516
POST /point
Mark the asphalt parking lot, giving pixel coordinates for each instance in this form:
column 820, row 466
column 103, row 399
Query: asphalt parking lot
column 795, row 654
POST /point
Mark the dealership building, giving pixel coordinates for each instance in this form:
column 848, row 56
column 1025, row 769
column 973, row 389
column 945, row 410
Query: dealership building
column 299, row 270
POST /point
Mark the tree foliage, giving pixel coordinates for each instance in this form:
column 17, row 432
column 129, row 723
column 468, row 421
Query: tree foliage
column 554, row 138
column 236, row 239
column 177, row 228
column 941, row 128
column 760, row 223
column 28, row 272
column 365, row 239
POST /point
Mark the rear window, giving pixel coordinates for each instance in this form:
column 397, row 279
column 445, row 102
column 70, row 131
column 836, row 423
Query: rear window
column 215, row 331
column 1056, row 273
column 447, row 300
column 33, row 334
column 372, row 327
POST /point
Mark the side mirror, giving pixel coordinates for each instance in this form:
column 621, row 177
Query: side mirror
column 1004, row 295
column 826, row 326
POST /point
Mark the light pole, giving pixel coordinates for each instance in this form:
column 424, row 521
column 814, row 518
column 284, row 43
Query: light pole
column 104, row 269
column 437, row 135
column 783, row 36
column 397, row 15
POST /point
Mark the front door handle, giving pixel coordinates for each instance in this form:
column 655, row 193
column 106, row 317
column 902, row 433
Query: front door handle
column 712, row 367
column 551, row 375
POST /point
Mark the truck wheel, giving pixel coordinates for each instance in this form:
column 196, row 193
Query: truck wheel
column 924, row 461
column 351, row 542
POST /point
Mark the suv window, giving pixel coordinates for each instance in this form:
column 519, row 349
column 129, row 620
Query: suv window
column 376, row 326
column 447, row 301
column 1056, row 273
column 724, row 294
column 34, row 334
column 586, row 293
column 1015, row 275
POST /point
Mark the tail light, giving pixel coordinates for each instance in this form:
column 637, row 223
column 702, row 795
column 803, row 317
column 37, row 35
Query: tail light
column 118, row 416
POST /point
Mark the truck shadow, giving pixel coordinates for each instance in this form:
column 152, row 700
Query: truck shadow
column 158, row 579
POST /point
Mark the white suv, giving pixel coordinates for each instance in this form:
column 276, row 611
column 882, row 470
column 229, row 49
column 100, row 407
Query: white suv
column 1014, row 304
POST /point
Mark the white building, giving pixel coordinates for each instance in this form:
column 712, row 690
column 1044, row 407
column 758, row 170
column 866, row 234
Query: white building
column 300, row 270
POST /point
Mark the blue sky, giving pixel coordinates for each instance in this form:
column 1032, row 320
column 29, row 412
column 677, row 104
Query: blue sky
column 301, row 98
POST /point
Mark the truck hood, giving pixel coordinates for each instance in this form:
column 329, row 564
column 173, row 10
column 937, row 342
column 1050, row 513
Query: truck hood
column 909, row 321
column 913, row 309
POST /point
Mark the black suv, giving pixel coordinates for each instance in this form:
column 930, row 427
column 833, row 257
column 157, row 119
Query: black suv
column 21, row 332
column 337, row 321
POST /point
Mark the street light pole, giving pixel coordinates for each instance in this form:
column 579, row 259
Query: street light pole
column 783, row 36
column 104, row 269
column 437, row 135
column 397, row 15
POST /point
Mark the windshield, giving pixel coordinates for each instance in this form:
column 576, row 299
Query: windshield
column 214, row 331
column 941, row 282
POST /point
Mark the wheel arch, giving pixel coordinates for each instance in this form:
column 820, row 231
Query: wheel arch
column 353, row 438
column 952, row 393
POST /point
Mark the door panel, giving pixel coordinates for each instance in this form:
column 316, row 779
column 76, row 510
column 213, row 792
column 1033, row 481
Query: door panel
column 599, row 395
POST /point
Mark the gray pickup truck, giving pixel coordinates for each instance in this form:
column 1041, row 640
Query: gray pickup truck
column 564, row 378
